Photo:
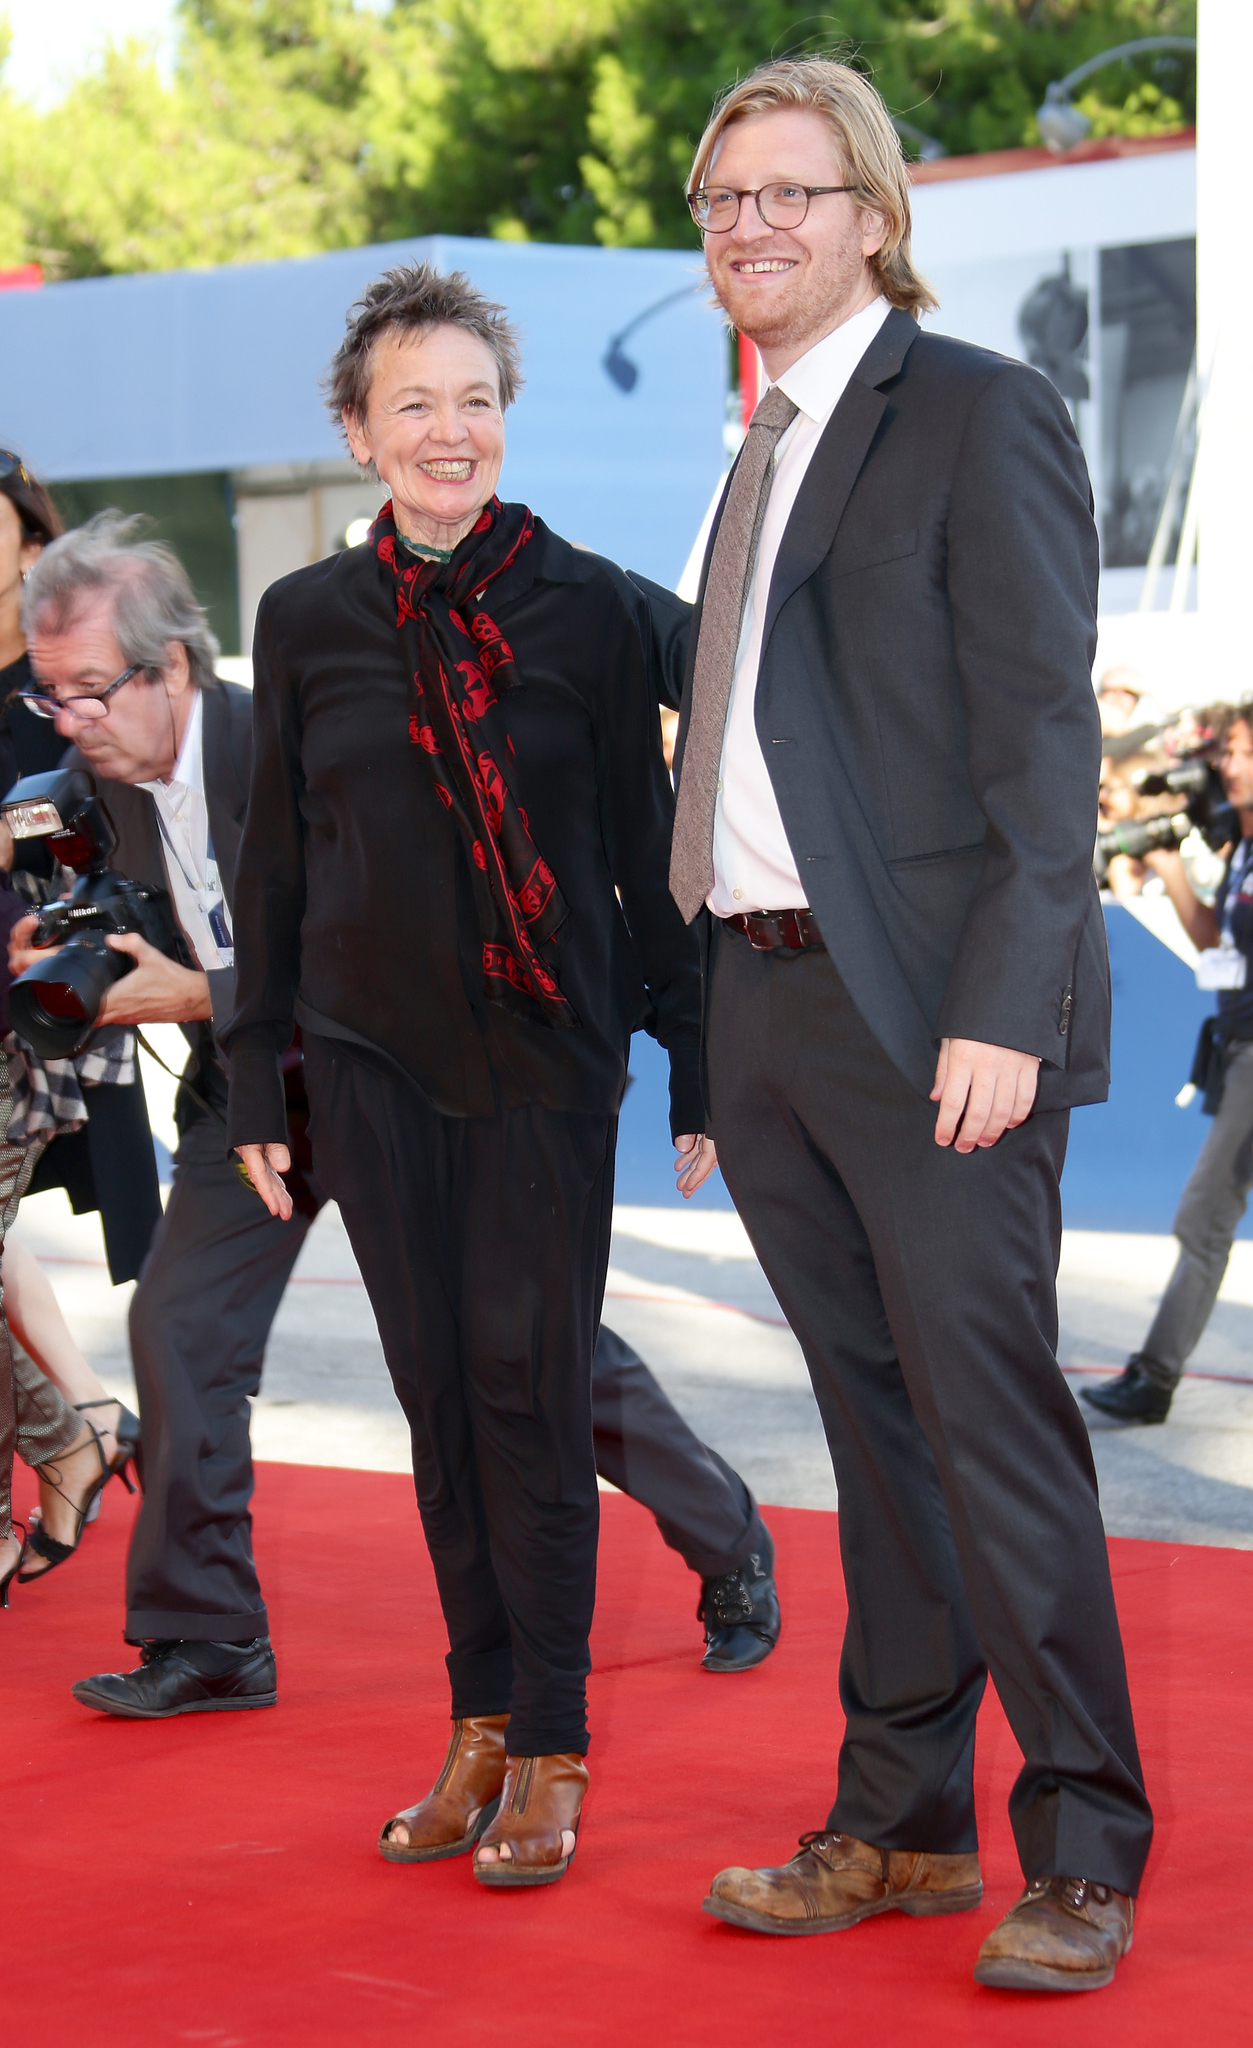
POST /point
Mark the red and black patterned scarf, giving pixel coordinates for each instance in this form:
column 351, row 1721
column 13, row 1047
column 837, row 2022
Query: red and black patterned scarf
column 460, row 664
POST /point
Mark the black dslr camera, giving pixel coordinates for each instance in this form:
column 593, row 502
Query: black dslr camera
column 55, row 1004
column 1203, row 808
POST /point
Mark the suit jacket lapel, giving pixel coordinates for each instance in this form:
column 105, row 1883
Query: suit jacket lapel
column 836, row 464
column 225, row 782
column 139, row 854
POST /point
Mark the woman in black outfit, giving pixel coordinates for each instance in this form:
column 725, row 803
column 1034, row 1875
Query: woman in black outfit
column 453, row 876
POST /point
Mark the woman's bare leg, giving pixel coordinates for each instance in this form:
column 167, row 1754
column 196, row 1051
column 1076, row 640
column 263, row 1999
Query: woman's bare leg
column 33, row 1314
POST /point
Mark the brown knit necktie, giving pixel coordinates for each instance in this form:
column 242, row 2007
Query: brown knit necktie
column 726, row 592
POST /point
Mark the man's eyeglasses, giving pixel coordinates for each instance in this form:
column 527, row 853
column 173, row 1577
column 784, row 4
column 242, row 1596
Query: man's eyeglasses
column 85, row 708
column 12, row 465
column 716, row 209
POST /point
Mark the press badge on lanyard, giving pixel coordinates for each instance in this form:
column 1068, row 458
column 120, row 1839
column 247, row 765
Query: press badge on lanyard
column 210, row 903
column 1224, row 965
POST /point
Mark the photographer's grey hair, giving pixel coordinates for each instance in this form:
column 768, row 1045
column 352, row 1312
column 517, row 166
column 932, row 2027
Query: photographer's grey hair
column 153, row 601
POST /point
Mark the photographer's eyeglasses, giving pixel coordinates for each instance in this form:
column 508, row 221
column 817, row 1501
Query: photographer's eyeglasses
column 12, row 465
column 85, row 708
column 716, row 209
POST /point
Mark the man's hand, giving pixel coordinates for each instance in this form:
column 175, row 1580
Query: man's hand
column 697, row 1160
column 265, row 1163
column 156, row 991
column 21, row 953
column 987, row 1089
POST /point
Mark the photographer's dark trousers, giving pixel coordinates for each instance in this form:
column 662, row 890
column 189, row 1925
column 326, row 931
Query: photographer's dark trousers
column 483, row 1243
column 643, row 1447
column 1210, row 1209
column 920, row 1284
column 199, row 1322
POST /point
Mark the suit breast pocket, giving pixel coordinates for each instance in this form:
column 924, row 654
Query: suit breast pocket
column 866, row 551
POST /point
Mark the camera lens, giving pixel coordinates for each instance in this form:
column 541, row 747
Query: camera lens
column 54, row 1005
column 58, row 1000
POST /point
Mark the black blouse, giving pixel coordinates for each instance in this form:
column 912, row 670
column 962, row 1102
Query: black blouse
column 354, row 913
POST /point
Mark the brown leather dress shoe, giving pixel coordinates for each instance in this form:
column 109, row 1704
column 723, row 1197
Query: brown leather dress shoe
column 1063, row 1935
column 542, row 1795
column 834, row 1881
column 460, row 1804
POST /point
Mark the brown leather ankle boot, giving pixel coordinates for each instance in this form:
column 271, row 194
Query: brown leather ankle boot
column 542, row 1795
column 460, row 1804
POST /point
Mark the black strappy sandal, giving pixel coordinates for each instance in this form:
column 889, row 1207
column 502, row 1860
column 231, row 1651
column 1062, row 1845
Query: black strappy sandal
column 130, row 1449
column 48, row 1547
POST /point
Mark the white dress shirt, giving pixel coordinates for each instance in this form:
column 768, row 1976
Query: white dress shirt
column 754, row 868
column 183, row 820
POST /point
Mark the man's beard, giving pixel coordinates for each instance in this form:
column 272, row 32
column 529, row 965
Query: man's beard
column 811, row 310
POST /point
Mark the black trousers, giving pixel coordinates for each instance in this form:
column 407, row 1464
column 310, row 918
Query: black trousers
column 643, row 1447
column 199, row 1321
column 921, row 1286
column 483, row 1243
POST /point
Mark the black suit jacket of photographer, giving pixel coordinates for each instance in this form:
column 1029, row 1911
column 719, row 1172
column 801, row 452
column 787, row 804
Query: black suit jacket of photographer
column 227, row 755
column 925, row 707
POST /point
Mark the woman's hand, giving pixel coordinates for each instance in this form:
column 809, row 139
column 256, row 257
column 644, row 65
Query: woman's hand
column 697, row 1161
column 265, row 1164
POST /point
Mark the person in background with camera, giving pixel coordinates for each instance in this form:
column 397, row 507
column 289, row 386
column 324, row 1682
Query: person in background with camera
column 123, row 656
column 1217, row 1192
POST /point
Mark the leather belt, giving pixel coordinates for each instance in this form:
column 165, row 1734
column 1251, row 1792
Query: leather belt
column 795, row 930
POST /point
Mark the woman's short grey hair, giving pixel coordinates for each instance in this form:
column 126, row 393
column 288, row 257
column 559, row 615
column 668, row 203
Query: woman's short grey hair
column 153, row 602
column 412, row 299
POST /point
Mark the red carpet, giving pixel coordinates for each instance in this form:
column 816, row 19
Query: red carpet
column 214, row 1879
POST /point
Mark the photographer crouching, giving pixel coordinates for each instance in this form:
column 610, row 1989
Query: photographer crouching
column 1217, row 1192
column 124, row 661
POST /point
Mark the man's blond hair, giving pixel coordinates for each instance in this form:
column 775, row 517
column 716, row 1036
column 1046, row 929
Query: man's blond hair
column 867, row 142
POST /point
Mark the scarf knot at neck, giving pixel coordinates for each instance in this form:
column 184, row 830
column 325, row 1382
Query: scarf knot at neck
column 460, row 664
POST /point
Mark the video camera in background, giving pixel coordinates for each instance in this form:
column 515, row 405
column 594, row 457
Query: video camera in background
column 55, row 1004
column 1203, row 808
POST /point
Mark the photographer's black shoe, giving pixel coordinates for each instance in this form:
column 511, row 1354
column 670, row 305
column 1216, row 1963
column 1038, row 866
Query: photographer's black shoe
column 741, row 1614
column 186, row 1678
column 1132, row 1397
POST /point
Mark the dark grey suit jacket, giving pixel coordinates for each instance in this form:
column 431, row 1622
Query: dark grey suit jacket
column 227, row 760
column 925, row 708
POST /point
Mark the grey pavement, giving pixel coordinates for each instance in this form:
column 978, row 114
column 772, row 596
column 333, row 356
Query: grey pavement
column 686, row 1290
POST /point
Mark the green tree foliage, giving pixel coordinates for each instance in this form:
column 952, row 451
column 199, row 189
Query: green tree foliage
column 254, row 150
column 296, row 125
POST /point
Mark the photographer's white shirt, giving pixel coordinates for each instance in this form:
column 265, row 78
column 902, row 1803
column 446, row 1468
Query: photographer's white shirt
column 183, row 821
column 754, row 868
